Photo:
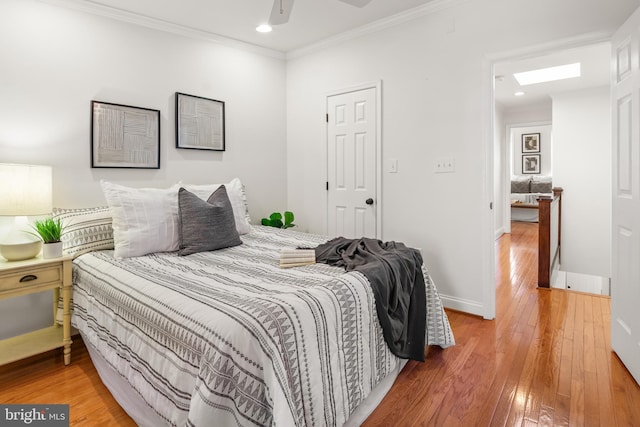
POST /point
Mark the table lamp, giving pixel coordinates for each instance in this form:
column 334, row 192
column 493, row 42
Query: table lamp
column 24, row 190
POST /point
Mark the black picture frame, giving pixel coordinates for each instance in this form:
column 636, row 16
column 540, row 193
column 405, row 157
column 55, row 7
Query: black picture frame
column 530, row 143
column 531, row 163
column 200, row 123
column 124, row 136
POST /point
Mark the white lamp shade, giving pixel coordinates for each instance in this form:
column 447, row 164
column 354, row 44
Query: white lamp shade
column 25, row 190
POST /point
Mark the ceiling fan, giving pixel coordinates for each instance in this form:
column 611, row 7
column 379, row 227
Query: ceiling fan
column 282, row 9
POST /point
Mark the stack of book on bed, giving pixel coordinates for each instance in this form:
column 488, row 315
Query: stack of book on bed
column 296, row 257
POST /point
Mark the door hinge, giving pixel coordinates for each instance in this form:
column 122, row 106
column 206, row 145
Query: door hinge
column 327, row 185
column 327, row 117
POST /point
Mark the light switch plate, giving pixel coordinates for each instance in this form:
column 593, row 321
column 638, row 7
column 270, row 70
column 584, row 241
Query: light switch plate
column 393, row 165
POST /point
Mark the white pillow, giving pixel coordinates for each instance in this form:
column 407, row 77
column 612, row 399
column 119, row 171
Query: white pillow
column 235, row 191
column 145, row 220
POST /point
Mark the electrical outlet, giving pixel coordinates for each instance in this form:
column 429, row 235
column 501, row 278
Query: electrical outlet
column 445, row 165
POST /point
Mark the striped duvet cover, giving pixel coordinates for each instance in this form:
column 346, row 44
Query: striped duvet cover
column 228, row 338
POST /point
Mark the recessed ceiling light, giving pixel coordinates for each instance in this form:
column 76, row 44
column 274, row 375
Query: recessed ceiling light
column 519, row 93
column 548, row 74
column 264, row 28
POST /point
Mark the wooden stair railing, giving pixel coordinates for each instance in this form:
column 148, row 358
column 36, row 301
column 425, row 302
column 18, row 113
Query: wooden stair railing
column 548, row 243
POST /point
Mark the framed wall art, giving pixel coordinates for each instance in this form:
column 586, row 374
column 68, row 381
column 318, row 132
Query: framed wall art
column 199, row 123
column 123, row 136
column 531, row 143
column 531, row 163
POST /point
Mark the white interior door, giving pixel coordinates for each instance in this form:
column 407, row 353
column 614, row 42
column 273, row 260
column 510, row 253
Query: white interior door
column 352, row 164
column 625, row 281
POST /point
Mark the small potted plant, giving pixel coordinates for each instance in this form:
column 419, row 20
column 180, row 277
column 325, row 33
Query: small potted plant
column 50, row 231
column 276, row 220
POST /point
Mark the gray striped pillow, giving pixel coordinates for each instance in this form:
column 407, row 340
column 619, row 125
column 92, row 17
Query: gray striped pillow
column 85, row 229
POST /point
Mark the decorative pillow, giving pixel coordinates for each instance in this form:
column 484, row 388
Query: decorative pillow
column 85, row 230
column 520, row 184
column 145, row 220
column 235, row 191
column 541, row 184
column 206, row 225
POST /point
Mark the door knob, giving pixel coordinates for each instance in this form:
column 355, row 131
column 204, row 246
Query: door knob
column 369, row 201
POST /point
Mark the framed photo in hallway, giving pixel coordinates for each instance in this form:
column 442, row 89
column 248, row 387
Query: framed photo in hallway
column 531, row 163
column 530, row 143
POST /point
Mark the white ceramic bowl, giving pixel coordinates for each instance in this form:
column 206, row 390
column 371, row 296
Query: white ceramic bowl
column 20, row 251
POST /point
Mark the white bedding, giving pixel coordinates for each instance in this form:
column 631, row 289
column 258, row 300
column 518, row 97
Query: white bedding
column 229, row 338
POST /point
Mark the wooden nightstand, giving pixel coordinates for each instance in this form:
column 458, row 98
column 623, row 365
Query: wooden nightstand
column 30, row 276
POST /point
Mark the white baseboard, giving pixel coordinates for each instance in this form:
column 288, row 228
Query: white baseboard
column 499, row 232
column 466, row 306
column 580, row 282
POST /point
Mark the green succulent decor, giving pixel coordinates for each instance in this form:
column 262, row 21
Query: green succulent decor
column 276, row 220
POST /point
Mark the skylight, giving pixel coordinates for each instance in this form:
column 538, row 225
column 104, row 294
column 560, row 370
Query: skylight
column 548, row 74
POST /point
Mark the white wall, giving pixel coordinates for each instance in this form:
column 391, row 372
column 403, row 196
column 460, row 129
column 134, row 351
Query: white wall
column 55, row 61
column 539, row 112
column 582, row 167
column 435, row 100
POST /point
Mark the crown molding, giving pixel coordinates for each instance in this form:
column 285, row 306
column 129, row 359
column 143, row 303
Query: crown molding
column 89, row 6
column 381, row 24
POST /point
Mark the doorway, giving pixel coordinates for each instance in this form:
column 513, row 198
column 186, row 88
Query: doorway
column 579, row 157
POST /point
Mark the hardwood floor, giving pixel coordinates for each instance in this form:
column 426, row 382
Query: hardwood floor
column 44, row 379
column 546, row 360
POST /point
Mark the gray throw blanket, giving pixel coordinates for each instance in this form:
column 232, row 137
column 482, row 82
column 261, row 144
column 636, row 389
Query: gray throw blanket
column 396, row 277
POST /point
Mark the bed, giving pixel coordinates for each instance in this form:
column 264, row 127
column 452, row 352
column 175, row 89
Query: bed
column 227, row 335
column 525, row 192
